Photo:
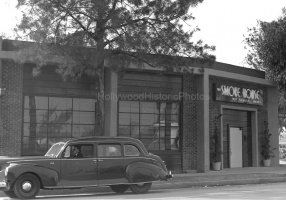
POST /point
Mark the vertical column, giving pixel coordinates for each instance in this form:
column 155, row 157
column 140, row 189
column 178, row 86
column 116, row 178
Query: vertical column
column 110, row 103
column 1, row 124
column 203, row 123
column 255, row 140
column 272, row 109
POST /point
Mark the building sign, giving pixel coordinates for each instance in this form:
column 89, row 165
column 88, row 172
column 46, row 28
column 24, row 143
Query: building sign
column 238, row 94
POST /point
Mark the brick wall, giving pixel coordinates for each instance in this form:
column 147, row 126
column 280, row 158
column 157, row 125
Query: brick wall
column 216, row 105
column 11, row 109
column 189, row 117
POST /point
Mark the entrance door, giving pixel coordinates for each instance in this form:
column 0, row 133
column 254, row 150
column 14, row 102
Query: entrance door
column 235, row 145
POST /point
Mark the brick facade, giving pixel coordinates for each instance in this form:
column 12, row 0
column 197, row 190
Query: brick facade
column 189, row 125
column 216, row 105
column 11, row 109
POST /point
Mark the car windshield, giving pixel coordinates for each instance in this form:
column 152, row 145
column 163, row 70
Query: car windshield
column 55, row 149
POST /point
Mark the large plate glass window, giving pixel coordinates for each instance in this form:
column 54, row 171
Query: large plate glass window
column 156, row 124
column 48, row 120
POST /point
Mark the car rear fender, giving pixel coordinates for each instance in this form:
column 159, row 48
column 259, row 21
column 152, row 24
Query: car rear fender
column 48, row 177
column 144, row 172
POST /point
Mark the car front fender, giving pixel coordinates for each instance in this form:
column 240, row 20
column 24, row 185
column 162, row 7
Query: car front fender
column 48, row 177
column 144, row 172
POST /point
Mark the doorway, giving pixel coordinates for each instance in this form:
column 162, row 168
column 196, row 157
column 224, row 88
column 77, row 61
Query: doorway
column 235, row 147
column 237, row 138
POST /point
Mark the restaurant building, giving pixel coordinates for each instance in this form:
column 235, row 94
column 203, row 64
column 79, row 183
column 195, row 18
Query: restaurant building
column 171, row 113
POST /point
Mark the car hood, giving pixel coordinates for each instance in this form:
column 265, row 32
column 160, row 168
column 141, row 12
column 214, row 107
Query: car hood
column 7, row 159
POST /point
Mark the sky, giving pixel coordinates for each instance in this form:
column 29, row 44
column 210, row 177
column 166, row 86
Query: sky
column 222, row 23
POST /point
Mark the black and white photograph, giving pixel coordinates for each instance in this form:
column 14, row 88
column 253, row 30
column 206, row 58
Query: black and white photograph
column 143, row 99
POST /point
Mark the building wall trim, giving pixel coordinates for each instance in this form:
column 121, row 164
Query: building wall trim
column 240, row 77
column 203, row 125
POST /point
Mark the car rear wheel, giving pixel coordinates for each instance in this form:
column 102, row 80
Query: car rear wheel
column 10, row 194
column 27, row 186
column 140, row 188
column 119, row 188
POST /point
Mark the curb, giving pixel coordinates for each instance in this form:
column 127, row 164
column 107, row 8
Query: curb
column 164, row 185
column 218, row 183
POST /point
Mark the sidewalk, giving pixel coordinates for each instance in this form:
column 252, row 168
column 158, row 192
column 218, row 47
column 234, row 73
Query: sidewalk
column 233, row 176
column 229, row 176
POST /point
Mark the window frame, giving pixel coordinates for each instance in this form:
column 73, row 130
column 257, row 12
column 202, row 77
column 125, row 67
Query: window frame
column 67, row 126
column 94, row 153
column 109, row 143
column 140, row 126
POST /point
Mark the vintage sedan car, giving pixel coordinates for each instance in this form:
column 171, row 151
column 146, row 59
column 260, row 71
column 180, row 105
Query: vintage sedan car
column 118, row 162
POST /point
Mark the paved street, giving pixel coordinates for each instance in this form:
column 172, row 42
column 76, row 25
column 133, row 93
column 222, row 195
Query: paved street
column 261, row 191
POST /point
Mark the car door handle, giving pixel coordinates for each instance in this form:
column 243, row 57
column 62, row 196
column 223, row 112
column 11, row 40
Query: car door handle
column 97, row 160
column 52, row 163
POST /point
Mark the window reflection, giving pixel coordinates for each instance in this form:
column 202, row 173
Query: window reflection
column 83, row 117
column 82, row 130
column 50, row 119
column 84, row 104
column 156, row 124
column 58, row 103
column 39, row 102
column 129, row 106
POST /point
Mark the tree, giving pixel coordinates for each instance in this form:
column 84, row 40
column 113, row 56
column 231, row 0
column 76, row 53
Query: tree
column 84, row 34
column 267, row 49
column 215, row 143
column 267, row 52
column 266, row 149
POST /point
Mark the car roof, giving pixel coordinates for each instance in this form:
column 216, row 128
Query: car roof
column 103, row 138
column 107, row 139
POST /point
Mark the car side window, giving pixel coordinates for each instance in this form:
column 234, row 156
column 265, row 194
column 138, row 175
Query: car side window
column 79, row 151
column 131, row 150
column 109, row 150
column 87, row 151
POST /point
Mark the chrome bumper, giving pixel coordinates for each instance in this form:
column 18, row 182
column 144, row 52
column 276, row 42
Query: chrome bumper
column 2, row 180
column 169, row 175
column 3, row 185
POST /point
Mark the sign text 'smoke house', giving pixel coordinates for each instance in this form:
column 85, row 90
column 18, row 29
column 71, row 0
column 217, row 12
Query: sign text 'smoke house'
column 238, row 94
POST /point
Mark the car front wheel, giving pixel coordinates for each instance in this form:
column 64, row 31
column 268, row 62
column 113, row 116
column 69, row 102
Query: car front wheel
column 27, row 186
column 140, row 188
column 119, row 188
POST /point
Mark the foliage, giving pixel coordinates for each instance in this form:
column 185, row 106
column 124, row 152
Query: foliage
column 266, row 150
column 216, row 143
column 131, row 31
column 86, row 36
column 282, row 113
column 267, row 49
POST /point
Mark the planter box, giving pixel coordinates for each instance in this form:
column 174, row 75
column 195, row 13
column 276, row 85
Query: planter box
column 216, row 166
column 267, row 163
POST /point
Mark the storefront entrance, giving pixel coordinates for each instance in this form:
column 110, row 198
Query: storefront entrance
column 237, row 138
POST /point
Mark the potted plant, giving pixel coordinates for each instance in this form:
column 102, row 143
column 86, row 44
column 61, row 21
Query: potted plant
column 216, row 146
column 266, row 149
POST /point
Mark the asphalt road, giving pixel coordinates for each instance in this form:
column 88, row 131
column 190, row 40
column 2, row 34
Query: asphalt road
column 261, row 191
